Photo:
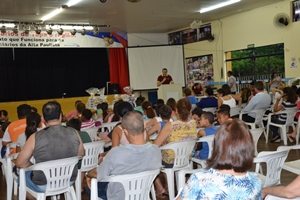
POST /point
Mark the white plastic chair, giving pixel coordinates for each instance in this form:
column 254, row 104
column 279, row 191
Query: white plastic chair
column 211, row 109
column 136, row 186
column 235, row 111
column 298, row 132
column 109, row 126
column 283, row 128
column 3, row 161
column 291, row 166
column 271, row 197
column 58, row 174
column 182, row 151
column 256, row 133
column 92, row 133
column 89, row 161
column 209, row 139
column 259, row 114
column 11, row 177
column 274, row 161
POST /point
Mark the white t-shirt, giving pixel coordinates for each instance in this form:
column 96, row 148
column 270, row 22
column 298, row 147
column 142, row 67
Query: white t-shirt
column 232, row 80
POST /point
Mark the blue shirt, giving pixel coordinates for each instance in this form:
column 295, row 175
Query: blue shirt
column 192, row 99
column 205, row 149
column 209, row 83
column 208, row 102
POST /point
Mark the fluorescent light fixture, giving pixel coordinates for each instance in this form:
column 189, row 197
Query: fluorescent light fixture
column 219, row 6
column 67, row 27
column 73, row 2
column 8, row 25
column 52, row 14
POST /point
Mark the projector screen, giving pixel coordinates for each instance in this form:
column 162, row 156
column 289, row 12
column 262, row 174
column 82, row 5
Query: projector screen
column 146, row 63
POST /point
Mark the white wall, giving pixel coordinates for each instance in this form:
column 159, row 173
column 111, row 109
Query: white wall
column 146, row 39
column 252, row 27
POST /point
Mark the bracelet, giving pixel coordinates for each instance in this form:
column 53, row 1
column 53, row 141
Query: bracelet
column 87, row 174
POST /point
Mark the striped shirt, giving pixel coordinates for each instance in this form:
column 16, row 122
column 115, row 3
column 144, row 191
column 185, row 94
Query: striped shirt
column 88, row 124
column 286, row 106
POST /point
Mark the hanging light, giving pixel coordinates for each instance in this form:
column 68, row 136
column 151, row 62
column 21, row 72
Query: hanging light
column 26, row 29
column 96, row 31
column 60, row 31
column 49, row 31
column 3, row 29
column 15, row 29
column 83, row 31
column 73, row 31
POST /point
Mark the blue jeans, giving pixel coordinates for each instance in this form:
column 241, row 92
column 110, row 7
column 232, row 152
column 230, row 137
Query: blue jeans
column 102, row 188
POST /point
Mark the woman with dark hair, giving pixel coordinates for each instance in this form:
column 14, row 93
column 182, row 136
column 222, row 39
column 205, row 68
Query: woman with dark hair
column 159, row 104
column 172, row 103
column 227, row 175
column 225, row 97
column 149, row 112
column 289, row 100
column 33, row 124
column 181, row 129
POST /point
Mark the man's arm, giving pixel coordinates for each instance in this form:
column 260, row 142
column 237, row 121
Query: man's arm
column 23, row 159
column 6, row 138
column 159, row 83
column 289, row 191
column 81, row 148
column 250, row 105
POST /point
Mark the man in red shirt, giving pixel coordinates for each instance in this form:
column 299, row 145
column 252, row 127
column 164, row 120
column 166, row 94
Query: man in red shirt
column 165, row 78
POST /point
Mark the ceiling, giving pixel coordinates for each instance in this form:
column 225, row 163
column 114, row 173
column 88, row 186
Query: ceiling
column 146, row 16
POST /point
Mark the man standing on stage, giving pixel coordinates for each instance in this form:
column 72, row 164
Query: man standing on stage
column 165, row 78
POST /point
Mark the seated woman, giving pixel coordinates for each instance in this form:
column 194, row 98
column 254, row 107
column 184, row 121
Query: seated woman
column 157, row 118
column 188, row 94
column 149, row 112
column 181, row 129
column 224, row 97
column 227, row 176
column 289, row 100
column 172, row 103
column 245, row 94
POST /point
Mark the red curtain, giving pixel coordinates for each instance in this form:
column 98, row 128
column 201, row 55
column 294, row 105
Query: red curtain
column 118, row 67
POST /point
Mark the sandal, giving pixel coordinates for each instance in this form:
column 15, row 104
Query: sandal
column 275, row 139
column 290, row 137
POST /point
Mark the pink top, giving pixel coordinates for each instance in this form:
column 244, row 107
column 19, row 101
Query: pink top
column 88, row 124
column 71, row 114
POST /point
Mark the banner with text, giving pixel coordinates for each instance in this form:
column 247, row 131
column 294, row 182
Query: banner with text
column 66, row 40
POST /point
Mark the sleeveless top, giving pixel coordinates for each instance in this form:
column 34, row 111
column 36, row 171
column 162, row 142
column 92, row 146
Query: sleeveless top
column 180, row 131
column 162, row 124
column 231, row 102
column 52, row 143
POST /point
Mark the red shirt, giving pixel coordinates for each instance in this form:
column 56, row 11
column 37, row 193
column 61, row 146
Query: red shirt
column 196, row 90
column 167, row 81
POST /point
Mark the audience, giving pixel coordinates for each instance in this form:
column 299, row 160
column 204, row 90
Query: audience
column 86, row 119
column 223, row 116
column 3, row 117
column 165, row 114
column 138, row 103
column 197, row 89
column 260, row 101
column 196, row 115
column 210, row 102
column 112, row 116
column 209, row 82
column 227, row 176
column 33, row 124
column 73, row 112
column 187, row 92
column 104, row 107
column 274, row 80
column 172, row 103
column 51, row 143
column 16, row 128
column 130, row 158
column 245, row 94
column 181, row 129
column 289, row 101
column 148, row 110
column 207, row 119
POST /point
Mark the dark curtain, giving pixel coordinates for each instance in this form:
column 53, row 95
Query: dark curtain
column 48, row 73
column 119, row 73
column 7, row 71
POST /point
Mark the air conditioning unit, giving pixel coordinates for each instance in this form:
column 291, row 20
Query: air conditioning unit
column 196, row 24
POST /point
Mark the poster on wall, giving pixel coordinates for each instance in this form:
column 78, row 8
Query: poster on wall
column 198, row 68
column 191, row 35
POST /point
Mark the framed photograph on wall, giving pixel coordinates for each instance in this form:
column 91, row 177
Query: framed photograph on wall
column 296, row 10
column 198, row 68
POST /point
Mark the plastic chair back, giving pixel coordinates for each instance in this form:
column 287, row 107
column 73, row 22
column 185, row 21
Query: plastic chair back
column 92, row 151
column 210, row 140
column 211, row 109
column 109, row 126
column 58, row 174
column 256, row 133
column 235, row 111
column 136, row 186
column 92, row 133
column 274, row 161
column 182, row 151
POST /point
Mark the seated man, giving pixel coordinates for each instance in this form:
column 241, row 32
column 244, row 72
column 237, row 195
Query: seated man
column 209, row 102
column 126, row 159
column 260, row 101
column 52, row 143
column 223, row 116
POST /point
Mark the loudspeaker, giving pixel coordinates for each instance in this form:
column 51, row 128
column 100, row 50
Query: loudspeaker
column 114, row 89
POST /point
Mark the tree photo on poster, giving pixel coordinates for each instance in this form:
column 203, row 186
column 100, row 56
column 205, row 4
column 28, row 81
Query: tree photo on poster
column 198, row 68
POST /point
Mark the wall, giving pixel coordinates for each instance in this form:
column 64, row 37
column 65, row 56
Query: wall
column 251, row 27
column 147, row 39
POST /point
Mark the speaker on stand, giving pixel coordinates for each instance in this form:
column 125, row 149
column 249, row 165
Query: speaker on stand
column 114, row 89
